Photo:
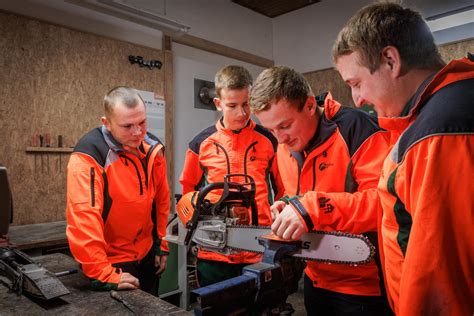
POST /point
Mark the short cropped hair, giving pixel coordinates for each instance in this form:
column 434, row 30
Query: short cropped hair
column 232, row 77
column 123, row 95
column 388, row 24
column 276, row 83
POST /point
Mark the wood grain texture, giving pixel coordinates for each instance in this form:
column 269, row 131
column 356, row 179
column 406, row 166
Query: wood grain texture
column 456, row 50
column 329, row 79
column 53, row 80
column 82, row 300
column 35, row 236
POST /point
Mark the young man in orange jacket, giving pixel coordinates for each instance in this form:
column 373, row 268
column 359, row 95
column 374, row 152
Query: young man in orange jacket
column 387, row 55
column 331, row 156
column 235, row 144
column 118, row 198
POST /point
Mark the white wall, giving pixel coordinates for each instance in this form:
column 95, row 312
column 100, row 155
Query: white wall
column 303, row 39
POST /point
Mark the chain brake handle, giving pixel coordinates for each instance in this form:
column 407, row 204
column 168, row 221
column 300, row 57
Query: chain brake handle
column 232, row 192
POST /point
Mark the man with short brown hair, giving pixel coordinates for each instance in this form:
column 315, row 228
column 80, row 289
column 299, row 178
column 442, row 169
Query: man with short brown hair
column 387, row 55
column 234, row 145
column 329, row 159
column 118, row 198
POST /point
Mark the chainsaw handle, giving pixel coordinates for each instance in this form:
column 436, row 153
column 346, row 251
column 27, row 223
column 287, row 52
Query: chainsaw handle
column 191, row 225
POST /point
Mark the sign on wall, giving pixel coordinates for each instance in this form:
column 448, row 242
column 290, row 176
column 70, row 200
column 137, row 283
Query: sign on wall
column 155, row 112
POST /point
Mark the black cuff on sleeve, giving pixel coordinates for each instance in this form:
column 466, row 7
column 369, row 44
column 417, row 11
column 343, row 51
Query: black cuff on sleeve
column 300, row 208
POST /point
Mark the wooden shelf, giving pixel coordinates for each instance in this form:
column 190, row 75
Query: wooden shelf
column 49, row 149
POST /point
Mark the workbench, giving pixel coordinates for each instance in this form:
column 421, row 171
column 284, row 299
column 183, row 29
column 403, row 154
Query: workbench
column 39, row 237
column 82, row 300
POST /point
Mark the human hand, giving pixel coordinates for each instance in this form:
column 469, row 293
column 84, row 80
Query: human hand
column 160, row 263
column 276, row 208
column 128, row 282
column 288, row 224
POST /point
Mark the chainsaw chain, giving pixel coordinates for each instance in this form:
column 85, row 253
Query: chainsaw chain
column 327, row 261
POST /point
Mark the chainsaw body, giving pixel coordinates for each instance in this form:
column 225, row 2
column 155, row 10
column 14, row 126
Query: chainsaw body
column 206, row 221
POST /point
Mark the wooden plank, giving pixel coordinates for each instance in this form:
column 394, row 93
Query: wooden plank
column 35, row 236
column 166, row 42
column 212, row 47
column 82, row 300
column 49, row 149
column 169, row 115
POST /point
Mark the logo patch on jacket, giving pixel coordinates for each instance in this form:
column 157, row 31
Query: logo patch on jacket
column 324, row 205
column 324, row 165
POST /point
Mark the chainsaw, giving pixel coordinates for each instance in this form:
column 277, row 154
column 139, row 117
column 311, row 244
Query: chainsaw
column 223, row 217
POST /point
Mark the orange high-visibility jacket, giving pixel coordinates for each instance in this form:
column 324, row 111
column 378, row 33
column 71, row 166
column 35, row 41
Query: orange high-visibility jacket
column 427, row 194
column 218, row 151
column 117, row 204
column 337, row 176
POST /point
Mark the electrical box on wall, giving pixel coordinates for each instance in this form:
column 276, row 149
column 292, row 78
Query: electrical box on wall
column 204, row 93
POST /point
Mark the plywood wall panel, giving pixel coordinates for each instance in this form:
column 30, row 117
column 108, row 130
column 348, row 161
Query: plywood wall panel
column 53, row 80
column 330, row 80
column 456, row 50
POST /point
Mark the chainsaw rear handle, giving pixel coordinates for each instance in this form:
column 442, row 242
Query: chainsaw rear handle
column 227, row 187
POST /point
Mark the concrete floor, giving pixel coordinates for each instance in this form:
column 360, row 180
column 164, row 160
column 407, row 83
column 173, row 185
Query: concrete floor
column 297, row 300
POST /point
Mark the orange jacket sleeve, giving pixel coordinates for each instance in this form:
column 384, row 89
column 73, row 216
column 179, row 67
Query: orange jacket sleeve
column 436, row 178
column 162, row 202
column 352, row 212
column 85, row 228
column 192, row 172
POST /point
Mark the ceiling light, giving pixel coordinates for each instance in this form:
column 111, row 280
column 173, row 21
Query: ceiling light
column 126, row 11
column 451, row 19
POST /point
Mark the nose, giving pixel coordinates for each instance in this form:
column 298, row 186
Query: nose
column 243, row 112
column 358, row 100
column 282, row 137
column 136, row 130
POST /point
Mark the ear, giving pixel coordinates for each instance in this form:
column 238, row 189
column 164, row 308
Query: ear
column 392, row 60
column 311, row 105
column 105, row 122
column 217, row 103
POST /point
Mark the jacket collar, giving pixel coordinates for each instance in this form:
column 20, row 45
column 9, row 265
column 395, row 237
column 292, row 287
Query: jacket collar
column 326, row 126
column 220, row 127
column 454, row 71
column 411, row 104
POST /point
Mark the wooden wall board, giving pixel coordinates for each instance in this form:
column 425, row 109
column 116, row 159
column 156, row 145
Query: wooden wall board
column 329, row 80
column 53, row 80
column 456, row 50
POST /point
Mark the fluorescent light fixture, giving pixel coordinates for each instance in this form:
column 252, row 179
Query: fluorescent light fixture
column 451, row 19
column 126, row 11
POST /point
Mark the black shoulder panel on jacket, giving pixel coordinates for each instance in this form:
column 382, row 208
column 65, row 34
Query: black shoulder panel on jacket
column 154, row 137
column 265, row 132
column 94, row 145
column 321, row 98
column 448, row 111
column 196, row 142
column 355, row 127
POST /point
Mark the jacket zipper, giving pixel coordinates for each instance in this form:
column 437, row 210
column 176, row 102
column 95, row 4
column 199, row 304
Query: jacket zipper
column 314, row 174
column 298, row 185
column 252, row 145
column 145, row 164
column 138, row 172
column 225, row 153
column 92, row 173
